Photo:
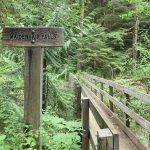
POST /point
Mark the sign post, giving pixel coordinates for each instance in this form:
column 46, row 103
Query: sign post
column 33, row 40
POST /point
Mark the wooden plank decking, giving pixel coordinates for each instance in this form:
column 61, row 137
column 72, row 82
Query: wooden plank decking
column 102, row 118
column 124, row 141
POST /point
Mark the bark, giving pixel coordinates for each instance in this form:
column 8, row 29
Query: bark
column 135, row 39
column 82, row 4
column 99, row 2
column 102, row 2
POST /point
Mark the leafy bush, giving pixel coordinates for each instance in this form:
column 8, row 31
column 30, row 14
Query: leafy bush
column 58, row 134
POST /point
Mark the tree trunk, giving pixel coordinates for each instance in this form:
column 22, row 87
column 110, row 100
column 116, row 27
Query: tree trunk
column 99, row 2
column 135, row 39
column 102, row 2
column 82, row 3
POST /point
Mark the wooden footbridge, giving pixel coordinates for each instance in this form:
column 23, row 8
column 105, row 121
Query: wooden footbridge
column 102, row 128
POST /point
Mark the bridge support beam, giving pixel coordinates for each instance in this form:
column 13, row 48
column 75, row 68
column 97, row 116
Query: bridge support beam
column 85, row 118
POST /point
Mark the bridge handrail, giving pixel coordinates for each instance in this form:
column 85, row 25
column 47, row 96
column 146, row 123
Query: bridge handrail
column 139, row 95
column 102, row 119
column 89, row 88
column 117, row 121
column 109, row 133
column 142, row 121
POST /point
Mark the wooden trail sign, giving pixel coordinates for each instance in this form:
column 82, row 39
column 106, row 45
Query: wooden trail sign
column 33, row 39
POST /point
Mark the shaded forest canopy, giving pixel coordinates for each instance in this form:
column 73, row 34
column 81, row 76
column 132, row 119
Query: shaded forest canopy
column 107, row 38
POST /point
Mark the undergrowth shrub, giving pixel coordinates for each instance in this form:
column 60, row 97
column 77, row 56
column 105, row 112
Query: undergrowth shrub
column 57, row 133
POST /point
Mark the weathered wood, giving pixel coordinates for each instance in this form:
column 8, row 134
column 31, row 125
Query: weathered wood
column 140, row 120
column 104, row 139
column 111, row 106
column 102, row 115
column 33, row 89
column 45, row 87
column 78, row 100
column 85, row 119
column 95, row 91
column 127, row 116
column 102, row 87
column 74, row 83
column 93, row 140
column 100, row 121
column 118, row 122
column 33, row 37
column 139, row 95
column 98, row 112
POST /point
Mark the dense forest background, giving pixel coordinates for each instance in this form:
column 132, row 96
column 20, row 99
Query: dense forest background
column 108, row 38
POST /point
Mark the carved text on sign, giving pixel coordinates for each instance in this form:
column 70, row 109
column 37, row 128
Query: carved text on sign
column 33, row 37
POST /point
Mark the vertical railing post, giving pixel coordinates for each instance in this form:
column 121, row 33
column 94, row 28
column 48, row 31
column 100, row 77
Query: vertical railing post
column 95, row 89
column 85, row 119
column 149, row 141
column 111, row 106
column 91, row 82
column 104, row 140
column 102, row 87
column 127, row 104
column 74, row 84
column 78, row 100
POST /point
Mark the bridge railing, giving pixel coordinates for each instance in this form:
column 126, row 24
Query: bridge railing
column 107, row 137
column 90, row 82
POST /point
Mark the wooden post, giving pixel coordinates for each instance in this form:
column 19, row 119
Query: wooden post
column 33, row 39
column 127, row 104
column 85, row 119
column 95, row 89
column 78, row 99
column 44, row 97
column 104, row 140
column 110, row 103
column 149, row 140
column 33, row 89
column 91, row 80
column 102, row 86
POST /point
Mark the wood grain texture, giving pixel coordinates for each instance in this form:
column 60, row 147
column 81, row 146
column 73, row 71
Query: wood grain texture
column 127, row 104
column 111, row 106
column 33, row 89
column 78, row 100
column 93, row 140
column 104, row 116
column 123, row 140
column 85, row 119
column 104, row 139
column 140, row 120
column 33, row 37
column 102, row 87
column 139, row 95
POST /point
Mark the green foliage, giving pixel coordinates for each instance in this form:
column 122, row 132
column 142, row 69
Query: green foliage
column 60, row 97
column 55, row 130
column 103, row 49
column 11, row 109
column 3, row 144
